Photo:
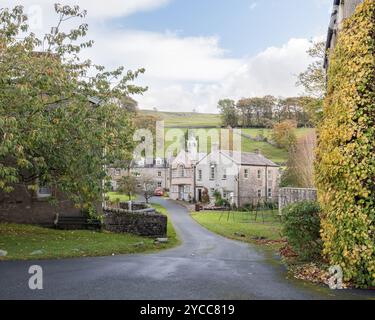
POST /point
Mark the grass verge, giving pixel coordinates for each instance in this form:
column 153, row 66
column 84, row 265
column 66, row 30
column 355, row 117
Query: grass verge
column 243, row 227
column 25, row 242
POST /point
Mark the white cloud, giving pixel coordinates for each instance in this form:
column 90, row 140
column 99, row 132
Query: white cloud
column 166, row 56
column 184, row 73
column 272, row 71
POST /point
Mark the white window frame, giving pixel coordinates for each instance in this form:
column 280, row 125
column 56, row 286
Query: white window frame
column 225, row 174
column 200, row 174
column 212, row 172
column 160, row 184
column 159, row 173
column 269, row 192
column 259, row 174
column 246, row 174
column 259, row 193
column 43, row 192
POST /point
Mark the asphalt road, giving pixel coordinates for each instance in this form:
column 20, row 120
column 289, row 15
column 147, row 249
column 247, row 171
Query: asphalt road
column 205, row 266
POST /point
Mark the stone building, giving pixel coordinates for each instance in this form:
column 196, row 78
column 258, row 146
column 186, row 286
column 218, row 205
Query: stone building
column 241, row 178
column 182, row 171
column 157, row 169
column 342, row 9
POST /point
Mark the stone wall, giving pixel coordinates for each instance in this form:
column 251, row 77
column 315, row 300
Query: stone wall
column 23, row 207
column 288, row 196
column 144, row 222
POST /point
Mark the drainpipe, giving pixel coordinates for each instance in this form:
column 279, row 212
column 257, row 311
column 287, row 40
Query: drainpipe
column 266, row 176
column 194, row 184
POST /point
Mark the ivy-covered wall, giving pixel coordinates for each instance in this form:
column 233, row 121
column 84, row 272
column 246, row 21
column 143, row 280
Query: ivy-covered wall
column 345, row 168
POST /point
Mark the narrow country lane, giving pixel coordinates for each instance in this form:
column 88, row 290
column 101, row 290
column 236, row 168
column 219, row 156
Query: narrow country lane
column 205, row 266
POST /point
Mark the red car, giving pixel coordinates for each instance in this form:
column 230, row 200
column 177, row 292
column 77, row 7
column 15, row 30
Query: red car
column 159, row 192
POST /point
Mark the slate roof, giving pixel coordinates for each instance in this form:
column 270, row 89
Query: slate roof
column 249, row 159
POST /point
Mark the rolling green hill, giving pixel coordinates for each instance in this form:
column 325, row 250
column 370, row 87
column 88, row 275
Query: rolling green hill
column 183, row 121
column 188, row 119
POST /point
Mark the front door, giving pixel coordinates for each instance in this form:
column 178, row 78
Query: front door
column 180, row 192
column 199, row 195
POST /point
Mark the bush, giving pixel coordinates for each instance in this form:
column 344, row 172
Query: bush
column 345, row 170
column 301, row 225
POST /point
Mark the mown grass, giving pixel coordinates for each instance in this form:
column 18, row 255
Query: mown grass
column 113, row 196
column 25, row 242
column 242, row 225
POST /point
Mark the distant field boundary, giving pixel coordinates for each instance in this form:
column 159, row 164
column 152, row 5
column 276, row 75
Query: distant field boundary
column 192, row 127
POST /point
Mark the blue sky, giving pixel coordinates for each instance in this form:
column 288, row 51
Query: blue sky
column 197, row 52
column 245, row 27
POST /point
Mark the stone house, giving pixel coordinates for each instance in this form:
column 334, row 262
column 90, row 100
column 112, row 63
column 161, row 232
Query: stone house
column 157, row 169
column 182, row 171
column 241, row 178
column 342, row 9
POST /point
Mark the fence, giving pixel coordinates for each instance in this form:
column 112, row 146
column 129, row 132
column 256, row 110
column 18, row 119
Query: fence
column 289, row 196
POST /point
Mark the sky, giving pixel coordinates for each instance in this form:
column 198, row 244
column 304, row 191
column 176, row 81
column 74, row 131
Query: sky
column 197, row 52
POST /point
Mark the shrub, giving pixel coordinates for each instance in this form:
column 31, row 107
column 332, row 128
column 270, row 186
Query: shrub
column 345, row 169
column 301, row 225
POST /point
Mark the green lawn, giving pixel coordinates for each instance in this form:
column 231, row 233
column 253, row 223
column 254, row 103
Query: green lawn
column 235, row 224
column 21, row 241
column 113, row 196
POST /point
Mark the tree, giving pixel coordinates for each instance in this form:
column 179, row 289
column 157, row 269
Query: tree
column 128, row 185
column 283, row 134
column 58, row 125
column 229, row 116
column 313, row 80
column 345, row 166
column 300, row 166
column 147, row 186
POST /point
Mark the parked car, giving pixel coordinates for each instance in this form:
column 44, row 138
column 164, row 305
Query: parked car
column 159, row 192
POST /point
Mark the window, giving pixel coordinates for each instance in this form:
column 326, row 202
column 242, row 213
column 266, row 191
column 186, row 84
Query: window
column 259, row 174
column 117, row 172
column 181, row 171
column 246, row 174
column 225, row 195
column 259, row 193
column 159, row 184
column 224, row 174
column 44, row 192
column 212, row 191
column 186, row 189
column 159, row 173
column 270, row 174
column 159, row 162
column 270, row 192
column 212, row 172
column 200, row 175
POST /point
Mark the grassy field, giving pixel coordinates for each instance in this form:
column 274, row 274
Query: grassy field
column 242, row 226
column 277, row 155
column 177, row 119
column 254, row 132
column 23, row 242
column 113, row 196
